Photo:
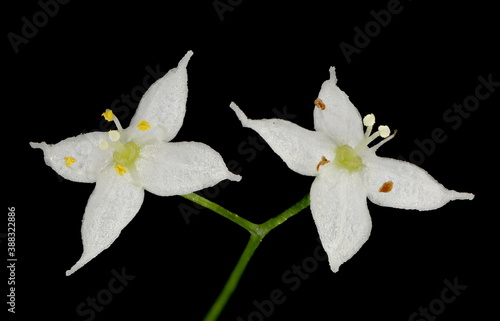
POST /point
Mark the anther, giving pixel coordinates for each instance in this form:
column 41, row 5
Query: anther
column 108, row 115
column 369, row 120
column 114, row 135
column 120, row 169
column 322, row 162
column 384, row 131
column 143, row 125
column 386, row 187
column 319, row 103
column 103, row 144
column 69, row 161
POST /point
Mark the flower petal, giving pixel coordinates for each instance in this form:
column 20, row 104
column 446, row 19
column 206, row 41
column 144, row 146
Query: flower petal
column 336, row 115
column 301, row 149
column 338, row 206
column 400, row 184
column 83, row 150
column 167, row 169
column 164, row 103
column 111, row 206
column 155, row 133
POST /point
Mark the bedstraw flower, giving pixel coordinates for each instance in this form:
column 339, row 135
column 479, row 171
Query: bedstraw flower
column 125, row 162
column 347, row 170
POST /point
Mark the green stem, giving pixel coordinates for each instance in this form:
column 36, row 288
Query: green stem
column 274, row 222
column 257, row 234
column 249, row 226
column 233, row 280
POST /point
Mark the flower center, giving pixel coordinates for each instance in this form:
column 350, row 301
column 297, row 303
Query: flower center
column 127, row 155
column 346, row 157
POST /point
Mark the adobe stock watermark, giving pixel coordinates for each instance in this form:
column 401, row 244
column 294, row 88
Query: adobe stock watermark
column 225, row 6
column 454, row 117
column 31, row 26
column 292, row 280
column 451, row 291
column 104, row 297
column 250, row 147
column 362, row 37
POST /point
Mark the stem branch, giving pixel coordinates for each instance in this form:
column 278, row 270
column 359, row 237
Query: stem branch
column 257, row 234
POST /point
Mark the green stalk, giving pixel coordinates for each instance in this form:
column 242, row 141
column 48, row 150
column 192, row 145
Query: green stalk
column 249, row 226
column 257, row 234
column 233, row 280
column 274, row 222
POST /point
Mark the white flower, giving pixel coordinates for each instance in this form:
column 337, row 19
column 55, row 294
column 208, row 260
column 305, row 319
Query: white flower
column 125, row 162
column 347, row 170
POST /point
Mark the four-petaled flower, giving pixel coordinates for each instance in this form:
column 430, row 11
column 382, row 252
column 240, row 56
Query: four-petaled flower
column 125, row 162
column 347, row 170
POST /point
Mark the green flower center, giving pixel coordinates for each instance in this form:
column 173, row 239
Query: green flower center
column 127, row 155
column 346, row 157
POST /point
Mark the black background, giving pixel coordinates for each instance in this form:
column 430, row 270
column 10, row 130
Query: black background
column 262, row 56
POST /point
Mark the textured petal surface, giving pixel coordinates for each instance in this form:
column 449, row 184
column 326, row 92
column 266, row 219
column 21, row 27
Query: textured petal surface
column 84, row 149
column 167, row 169
column 410, row 186
column 299, row 148
column 111, row 206
column 339, row 118
column 339, row 209
column 164, row 103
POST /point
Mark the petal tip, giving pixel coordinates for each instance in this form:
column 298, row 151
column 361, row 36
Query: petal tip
column 73, row 269
column 462, row 196
column 80, row 263
column 234, row 177
column 234, row 107
column 239, row 113
column 334, row 266
column 333, row 76
column 41, row 145
column 184, row 61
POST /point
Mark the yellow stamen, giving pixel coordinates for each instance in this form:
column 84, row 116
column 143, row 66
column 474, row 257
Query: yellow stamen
column 69, row 161
column 143, row 125
column 120, row 169
column 108, row 115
